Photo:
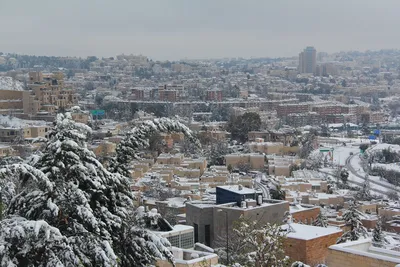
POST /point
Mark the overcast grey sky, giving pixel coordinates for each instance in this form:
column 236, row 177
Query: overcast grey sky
column 177, row 29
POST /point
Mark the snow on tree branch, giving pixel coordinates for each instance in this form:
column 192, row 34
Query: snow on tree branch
column 90, row 207
column 34, row 243
column 138, row 138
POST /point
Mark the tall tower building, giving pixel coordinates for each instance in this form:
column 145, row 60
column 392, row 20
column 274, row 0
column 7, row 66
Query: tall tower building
column 308, row 60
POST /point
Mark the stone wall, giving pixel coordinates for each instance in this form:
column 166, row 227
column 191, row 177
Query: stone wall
column 312, row 251
column 337, row 258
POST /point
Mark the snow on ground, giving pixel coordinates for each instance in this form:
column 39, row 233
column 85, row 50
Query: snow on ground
column 358, row 180
column 390, row 166
column 356, row 163
column 340, row 153
column 8, row 83
column 395, row 148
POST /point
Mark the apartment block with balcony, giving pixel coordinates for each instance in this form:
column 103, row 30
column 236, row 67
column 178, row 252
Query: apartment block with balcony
column 172, row 93
column 47, row 94
column 11, row 101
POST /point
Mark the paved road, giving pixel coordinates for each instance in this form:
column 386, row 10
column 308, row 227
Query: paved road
column 354, row 172
column 264, row 188
column 359, row 184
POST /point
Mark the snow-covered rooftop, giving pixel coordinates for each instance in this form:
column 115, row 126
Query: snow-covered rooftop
column 237, row 189
column 308, row 232
column 13, row 122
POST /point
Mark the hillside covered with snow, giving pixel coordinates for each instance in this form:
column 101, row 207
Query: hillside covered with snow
column 8, row 83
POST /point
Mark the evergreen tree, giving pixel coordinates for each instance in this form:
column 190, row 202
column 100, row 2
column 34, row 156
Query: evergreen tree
column 218, row 152
column 344, row 175
column 89, row 209
column 321, row 220
column 33, row 243
column 365, row 192
column 138, row 138
column 352, row 217
column 378, row 238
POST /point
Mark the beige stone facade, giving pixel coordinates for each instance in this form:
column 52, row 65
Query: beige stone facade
column 47, row 94
column 255, row 161
column 361, row 253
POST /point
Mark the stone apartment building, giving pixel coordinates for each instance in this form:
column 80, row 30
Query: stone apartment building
column 47, row 94
column 172, row 93
column 253, row 160
column 285, row 109
column 12, row 128
column 11, row 101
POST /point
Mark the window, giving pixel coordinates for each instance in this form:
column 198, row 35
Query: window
column 207, row 233
column 196, row 232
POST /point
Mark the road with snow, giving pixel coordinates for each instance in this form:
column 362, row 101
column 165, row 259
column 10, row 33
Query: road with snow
column 352, row 166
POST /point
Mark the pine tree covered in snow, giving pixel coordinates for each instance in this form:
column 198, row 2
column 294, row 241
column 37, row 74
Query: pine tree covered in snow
column 352, row 217
column 138, row 138
column 33, row 243
column 263, row 245
column 378, row 238
column 321, row 220
column 365, row 192
column 90, row 207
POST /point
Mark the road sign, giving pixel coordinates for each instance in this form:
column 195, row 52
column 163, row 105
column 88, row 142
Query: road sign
column 325, row 149
column 97, row 112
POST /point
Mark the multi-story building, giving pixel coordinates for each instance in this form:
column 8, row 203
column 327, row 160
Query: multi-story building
column 172, row 93
column 47, row 94
column 303, row 119
column 286, row 109
column 308, row 60
column 143, row 93
column 211, row 220
column 11, row 101
column 12, row 128
column 214, row 95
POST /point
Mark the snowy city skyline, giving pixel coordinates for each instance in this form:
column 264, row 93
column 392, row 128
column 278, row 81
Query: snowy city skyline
column 206, row 29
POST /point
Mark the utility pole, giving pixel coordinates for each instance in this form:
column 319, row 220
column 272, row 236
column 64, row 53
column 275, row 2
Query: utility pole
column 227, row 238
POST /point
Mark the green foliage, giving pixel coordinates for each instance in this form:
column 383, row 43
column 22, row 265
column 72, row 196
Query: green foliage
column 321, row 220
column 352, row 217
column 364, row 147
column 378, row 237
column 217, row 153
column 262, row 244
column 344, row 176
column 240, row 126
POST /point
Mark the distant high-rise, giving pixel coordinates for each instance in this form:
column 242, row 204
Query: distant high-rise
column 308, row 60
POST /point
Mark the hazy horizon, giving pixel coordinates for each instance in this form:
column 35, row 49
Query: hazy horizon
column 179, row 29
